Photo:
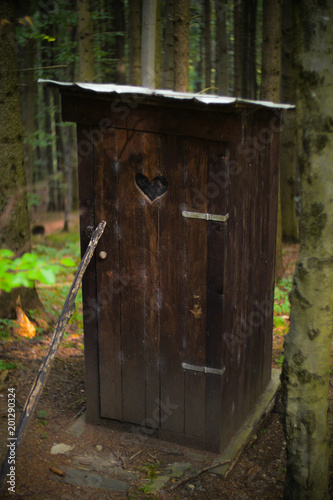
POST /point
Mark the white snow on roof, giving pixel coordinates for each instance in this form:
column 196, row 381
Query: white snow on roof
column 160, row 94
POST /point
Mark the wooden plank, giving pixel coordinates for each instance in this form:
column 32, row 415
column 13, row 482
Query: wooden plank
column 136, row 115
column 87, row 224
column 172, row 283
column 216, row 264
column 196, row 294
column 132, row 267
column 152, row 294
column 108, row 277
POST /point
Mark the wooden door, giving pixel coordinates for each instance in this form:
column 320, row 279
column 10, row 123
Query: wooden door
column 160, row 287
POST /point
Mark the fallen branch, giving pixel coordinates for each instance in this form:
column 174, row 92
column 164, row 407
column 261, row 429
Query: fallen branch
column 44, row 369
column 197, row 474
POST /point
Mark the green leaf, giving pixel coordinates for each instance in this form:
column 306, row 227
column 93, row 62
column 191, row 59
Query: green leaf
column 66, row 261
column 47, row 276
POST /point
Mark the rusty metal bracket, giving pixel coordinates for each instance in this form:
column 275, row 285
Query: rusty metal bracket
column 198, row 215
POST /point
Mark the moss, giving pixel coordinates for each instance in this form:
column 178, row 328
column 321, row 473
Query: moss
column 320, row 264
column 295, row 294
column 305, row 377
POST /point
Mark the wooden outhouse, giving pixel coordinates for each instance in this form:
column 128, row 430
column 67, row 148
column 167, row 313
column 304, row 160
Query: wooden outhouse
column 178, row 301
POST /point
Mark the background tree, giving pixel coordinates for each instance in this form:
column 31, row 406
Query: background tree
column 14, row 218
column 222, row 54
column 308, row 343
column 168, row 69
column 149, row 11
column 85, row 41
column 270, row 89
column 288, row 154
column 181, row 45
column 135, row 19
column 207, row 43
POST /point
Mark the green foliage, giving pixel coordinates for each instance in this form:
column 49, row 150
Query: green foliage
column 151, row 471
column 282, row 305
column 7, row 365
column 6, row 326
column 25, row 270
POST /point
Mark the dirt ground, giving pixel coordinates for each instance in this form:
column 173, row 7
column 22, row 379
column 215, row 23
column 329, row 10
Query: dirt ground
column 258, row 474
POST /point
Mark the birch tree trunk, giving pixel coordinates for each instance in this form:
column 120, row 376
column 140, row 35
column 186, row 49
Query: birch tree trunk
column 148, row 43
column 308, row 344
column 85, row 41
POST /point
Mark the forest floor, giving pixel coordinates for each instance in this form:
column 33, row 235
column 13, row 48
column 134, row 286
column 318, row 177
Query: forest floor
column 100, row 459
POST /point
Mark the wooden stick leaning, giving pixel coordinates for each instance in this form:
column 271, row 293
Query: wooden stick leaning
column 44, row 369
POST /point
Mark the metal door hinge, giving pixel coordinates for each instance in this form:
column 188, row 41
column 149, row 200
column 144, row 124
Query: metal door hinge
column 198, row 215
column 203, row 369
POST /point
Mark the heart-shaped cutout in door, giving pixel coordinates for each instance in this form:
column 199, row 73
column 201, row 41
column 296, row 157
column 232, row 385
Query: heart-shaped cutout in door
column 152, row 189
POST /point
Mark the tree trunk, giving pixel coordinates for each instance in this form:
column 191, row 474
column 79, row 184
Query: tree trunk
column 28, row 107
column 135, row 20
column 270, row 90
column 158, row 48
column 85, row 41
column 238, row 43
column 14, row 218
column 119, row 26
column 288, row 152
column 181, row 45
column 168, row 70
column 222, row 56
column 207, row 42
column 306, row 363
column 148, row 43
column 248, row 48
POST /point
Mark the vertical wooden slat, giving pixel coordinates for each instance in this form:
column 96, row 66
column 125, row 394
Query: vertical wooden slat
column 108, row 277
column 172, row 265
column 132, row 266
column 87, row 220
column 151, row 169
column 216, row 263
column 196, row 293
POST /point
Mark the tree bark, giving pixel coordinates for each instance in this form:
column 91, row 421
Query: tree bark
column 168, row 69
column 248, row 48
column 85, row 41
column 288, row 152
column 222, row 56
column 181, row 45
column 14, row 218
column 158, row 47
column 306, row 365
column 270, row 90
column 119, row 26
column 207, row 43
column 148, row 43
column 238, row 43
column 135, row 20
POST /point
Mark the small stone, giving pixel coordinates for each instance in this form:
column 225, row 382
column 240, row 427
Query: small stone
column 60, row 448
column 99, row 447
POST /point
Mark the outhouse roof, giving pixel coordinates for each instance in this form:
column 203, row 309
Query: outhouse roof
column 161, row 96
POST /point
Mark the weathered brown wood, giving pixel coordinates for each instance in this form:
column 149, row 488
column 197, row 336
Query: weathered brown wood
column 172, row 264
column 109, row 279
column 89, row 292
column 216, row 265
column 45, row 367
column 132, row 263
column 144, row 117
column 152, row 291
column 195, row 199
